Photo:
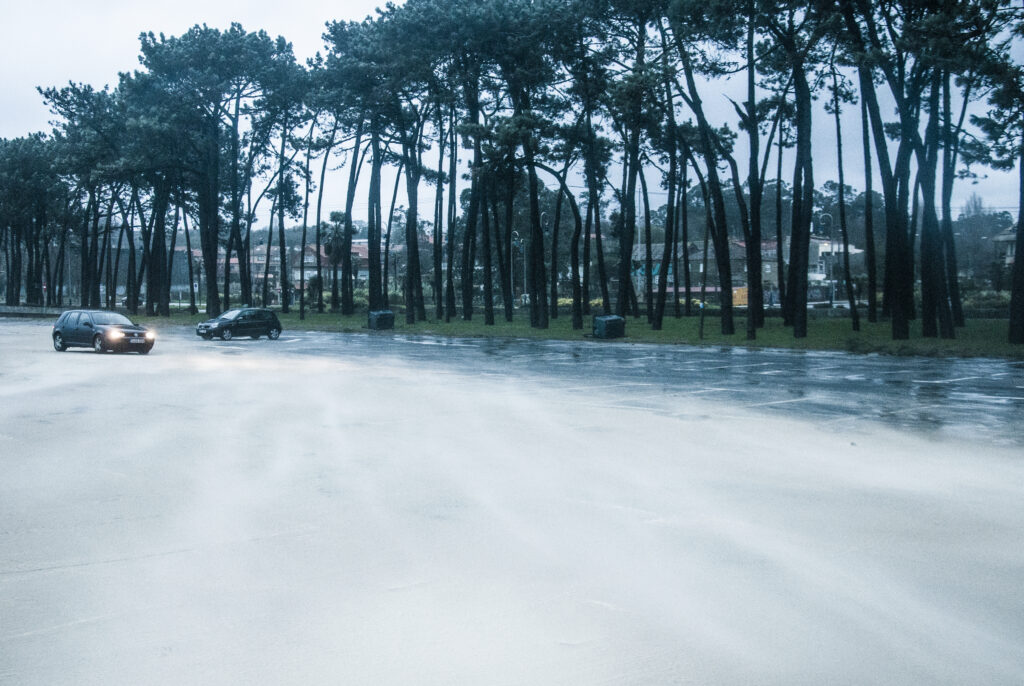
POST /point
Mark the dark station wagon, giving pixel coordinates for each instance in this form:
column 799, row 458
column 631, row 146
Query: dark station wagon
column 102, row 331
column 247, row 321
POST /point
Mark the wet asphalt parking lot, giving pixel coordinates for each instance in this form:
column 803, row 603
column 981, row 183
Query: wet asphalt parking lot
column 386, row 509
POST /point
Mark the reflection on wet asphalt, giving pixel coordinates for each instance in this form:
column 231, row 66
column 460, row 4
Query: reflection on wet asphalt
column 393, row 510
column 976, row 399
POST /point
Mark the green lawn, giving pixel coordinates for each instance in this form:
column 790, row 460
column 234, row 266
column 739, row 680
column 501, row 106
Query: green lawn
column 980, row 338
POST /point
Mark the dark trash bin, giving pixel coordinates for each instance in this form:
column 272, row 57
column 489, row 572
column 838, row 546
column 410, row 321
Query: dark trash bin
column 381, row 319
column 609, row 326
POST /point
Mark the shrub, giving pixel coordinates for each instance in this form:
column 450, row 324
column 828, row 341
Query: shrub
column 984, row 300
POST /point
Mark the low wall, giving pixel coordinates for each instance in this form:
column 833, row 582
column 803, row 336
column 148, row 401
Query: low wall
column 31, row 311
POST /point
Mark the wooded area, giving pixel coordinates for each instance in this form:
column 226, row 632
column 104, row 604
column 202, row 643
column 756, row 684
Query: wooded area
column 534, row 98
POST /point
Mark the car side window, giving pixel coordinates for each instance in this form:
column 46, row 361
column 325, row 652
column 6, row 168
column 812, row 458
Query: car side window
column 73, row 318
column 264, row 316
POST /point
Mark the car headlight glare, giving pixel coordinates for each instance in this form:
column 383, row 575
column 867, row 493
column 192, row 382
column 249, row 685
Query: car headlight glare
column 150, row 335
column 115, row 335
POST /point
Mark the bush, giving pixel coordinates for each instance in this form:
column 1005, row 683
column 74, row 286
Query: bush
column 984, row 300
column 596, row 303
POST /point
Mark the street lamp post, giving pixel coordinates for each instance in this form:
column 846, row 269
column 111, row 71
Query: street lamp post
column 545, row 230
column 831, row 256
column 516, row 243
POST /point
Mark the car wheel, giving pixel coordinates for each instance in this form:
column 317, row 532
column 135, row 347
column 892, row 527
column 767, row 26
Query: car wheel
column 97, row 344
column 274, row 334
column 206, row 336
column 226, row 335
column 145, row 350
column 58, row 343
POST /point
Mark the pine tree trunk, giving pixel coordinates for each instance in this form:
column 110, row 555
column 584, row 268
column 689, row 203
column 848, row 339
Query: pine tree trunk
column 387, row 252
column 485, row 234
column 209, row 213
column 437, row 280
column 374, row 225
column 449, row 276
column 668, row 249
column 503, row 243
column 192, row 309
column 803, row 205
column 536, row 280
column 554, row 244
column 165, row 299
column 936, row 316
column 648, row 255
column 950, row 147
column 319, row 221
column 347, row 276
column 755, row 284
column 591, row 171
column 1017, row 279
column 869, row 218
column 158, row 251
column 850, row 295
column 472, row 215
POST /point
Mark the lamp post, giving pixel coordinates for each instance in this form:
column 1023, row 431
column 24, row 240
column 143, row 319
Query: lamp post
column 545, row 226
column 516, row 243
column 831, row 255
column 198, row 286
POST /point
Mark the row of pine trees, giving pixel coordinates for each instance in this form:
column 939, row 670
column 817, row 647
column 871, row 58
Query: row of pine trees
column 490, row 104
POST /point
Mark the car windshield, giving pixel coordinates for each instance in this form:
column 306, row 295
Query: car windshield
column 111, row 318
column 231, row 314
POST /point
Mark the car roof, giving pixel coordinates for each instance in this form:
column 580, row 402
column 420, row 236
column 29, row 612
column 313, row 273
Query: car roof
column 91, row 311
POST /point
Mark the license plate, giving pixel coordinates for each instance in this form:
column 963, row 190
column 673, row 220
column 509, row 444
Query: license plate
column 137, row 340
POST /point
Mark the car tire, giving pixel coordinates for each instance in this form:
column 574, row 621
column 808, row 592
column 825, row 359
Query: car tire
column 226, row 335
column 97, row 344
column 58, row 343
column 145, row 350
column 274, row 334
column 206, row 336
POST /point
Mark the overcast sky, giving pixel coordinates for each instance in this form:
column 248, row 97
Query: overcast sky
column 51, row 42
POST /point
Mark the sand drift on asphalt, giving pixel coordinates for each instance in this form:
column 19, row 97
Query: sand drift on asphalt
column 247, row 513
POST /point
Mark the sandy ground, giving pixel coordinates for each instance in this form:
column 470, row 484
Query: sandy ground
column 238, row 513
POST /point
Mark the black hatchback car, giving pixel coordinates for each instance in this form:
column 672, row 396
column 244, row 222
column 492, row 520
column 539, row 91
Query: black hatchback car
column 102, row 331
column 247, row 321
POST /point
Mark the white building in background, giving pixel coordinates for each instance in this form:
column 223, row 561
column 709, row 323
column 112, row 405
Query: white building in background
column 825, row 261
column 1006, row 246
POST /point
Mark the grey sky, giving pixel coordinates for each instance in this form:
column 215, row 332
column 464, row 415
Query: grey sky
column 53, row 42
column 56, row 41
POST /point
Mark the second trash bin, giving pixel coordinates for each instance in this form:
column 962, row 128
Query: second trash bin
column 381, row 319
column 609, row 326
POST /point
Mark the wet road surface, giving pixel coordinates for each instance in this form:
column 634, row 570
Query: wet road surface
column 364, row 509
column 974, row 399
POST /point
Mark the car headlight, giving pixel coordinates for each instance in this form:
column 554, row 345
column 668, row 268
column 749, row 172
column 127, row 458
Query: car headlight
column 115, row 334
column 150, row 335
